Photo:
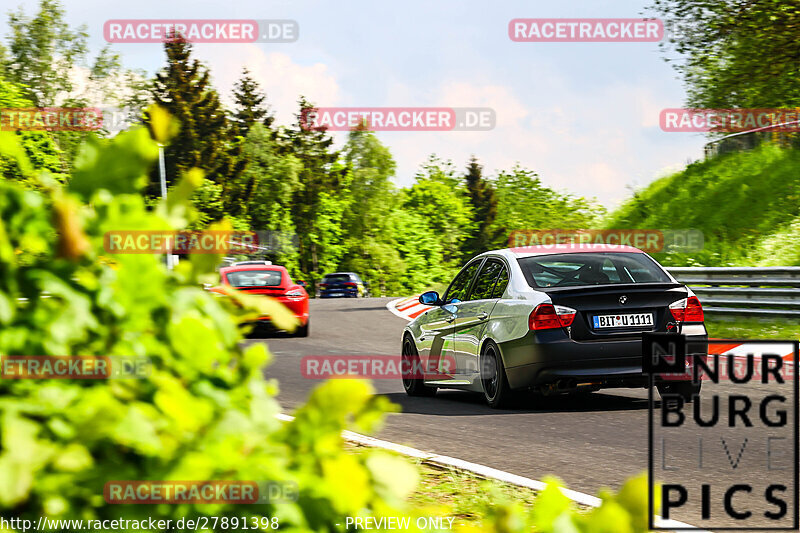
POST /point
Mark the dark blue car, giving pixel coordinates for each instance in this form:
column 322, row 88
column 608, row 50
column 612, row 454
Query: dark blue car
column 342, row 285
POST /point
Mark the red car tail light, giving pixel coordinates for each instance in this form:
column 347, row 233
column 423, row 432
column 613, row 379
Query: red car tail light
column 548, row 316
column 687, row 310
column 565, row 315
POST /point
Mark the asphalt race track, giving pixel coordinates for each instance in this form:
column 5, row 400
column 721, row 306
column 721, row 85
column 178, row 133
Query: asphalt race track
column 589, row 442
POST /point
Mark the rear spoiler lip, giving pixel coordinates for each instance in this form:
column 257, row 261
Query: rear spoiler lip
column 613, row 287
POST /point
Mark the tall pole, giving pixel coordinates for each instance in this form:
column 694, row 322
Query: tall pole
column 163, row 174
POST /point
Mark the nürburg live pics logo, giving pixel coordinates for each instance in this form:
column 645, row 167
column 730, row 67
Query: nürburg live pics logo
column 723, row 437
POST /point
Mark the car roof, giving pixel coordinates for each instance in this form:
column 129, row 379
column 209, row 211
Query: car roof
column 340, row 274
column 520, row 252
column 241, row 268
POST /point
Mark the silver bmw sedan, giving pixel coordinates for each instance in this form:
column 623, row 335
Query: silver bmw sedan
column 549, row 320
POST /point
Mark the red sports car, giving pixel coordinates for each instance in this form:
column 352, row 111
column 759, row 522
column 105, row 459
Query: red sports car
column 262, row 277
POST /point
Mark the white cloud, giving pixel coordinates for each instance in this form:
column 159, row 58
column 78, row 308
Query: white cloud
column 282, row 79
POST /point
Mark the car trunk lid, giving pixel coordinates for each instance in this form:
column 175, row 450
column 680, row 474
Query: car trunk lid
column 620, row 300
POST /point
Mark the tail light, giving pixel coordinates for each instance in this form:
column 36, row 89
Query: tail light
column 549, row 316
column 351, row 285
column 323, row 285
column 687, row 310
column 295, row 293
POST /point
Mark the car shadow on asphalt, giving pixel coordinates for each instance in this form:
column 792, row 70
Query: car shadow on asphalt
column 260, row 333
column 460, row 403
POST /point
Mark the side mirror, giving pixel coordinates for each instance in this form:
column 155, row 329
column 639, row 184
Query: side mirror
column 429, row 298
column 301, row 283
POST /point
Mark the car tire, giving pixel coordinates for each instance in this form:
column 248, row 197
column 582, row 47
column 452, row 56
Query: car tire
column 303, row 331
column 495, row 385
column 685, row 389
column 413, row 386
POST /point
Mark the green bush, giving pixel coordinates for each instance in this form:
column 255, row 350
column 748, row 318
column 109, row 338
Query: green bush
column 205, row 412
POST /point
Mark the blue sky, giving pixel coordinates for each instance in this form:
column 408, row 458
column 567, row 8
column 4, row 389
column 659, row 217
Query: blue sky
column 583, row 115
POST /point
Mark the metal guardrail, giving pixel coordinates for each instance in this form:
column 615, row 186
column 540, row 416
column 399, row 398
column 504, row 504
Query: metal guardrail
column 744, row 291
column 747, row 140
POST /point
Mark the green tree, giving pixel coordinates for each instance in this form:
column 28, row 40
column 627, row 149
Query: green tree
column 47, row 58
column 249, row 106
column 483, row 198
column 367, row 228
column 43, row 49
column 440, row 197
column 39, row 147
column 735, row 54
column 421, row 253
column 524, row 203
column 206, row 139
column 271, row 180
column 321, row 180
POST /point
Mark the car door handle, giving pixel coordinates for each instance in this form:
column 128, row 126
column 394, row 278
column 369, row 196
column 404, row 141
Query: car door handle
column 483, row 316
column 450, row 318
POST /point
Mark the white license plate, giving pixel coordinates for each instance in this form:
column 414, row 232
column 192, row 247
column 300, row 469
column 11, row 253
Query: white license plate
column 623, row 321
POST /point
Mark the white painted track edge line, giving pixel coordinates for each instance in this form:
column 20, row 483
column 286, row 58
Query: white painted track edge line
column 481, row 470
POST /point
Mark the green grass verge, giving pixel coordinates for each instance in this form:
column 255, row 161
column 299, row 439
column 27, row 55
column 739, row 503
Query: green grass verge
column 752, row 328
column 454, row 493
column 467, row 497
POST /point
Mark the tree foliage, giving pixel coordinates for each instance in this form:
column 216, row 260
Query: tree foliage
column 439, row 197
column 320, row 185
column 483, row 198
column 524, row 202
column 39, row 147
column 249, row 105
column 206, row 138
column 734, row 53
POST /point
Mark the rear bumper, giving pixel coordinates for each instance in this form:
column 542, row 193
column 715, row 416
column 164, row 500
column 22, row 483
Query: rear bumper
column 547, row 357
column 298, row 307
column 339, row 293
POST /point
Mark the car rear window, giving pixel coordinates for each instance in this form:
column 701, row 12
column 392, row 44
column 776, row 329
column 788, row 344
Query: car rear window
column 336, row 278
column 255, row 278
column 579, row 270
